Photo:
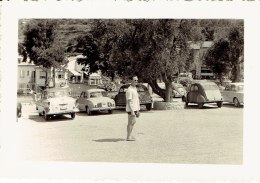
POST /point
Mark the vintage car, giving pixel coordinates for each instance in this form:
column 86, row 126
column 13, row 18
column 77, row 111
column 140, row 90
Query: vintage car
column 54, row 102
column 144, row 96
column 204, row 92
column 234, row 93
column 178, row 90
column 95, row 100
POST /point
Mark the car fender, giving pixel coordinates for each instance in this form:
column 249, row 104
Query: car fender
column 200, row 99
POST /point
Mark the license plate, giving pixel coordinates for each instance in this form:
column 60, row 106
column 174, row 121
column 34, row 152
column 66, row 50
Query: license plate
column 63, row 108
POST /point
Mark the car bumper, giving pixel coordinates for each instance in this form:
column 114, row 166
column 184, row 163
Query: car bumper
column 102, row 108
column 62, row 112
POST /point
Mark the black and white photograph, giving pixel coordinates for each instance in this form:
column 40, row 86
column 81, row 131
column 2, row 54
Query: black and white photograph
column 127, row 93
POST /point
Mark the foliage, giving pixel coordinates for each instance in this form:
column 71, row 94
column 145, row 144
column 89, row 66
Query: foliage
column 41, row 45
column 224, row 56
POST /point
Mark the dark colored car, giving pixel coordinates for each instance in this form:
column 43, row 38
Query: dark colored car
column 204, row 92
column 144, row 96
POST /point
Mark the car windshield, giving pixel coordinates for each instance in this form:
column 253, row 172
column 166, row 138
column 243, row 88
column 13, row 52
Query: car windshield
column 97, row 94
column 62, row 93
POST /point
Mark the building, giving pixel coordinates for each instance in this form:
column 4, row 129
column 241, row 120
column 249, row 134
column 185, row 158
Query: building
column 25, row 77
column 32, row 77
column 80, row 74
column 199, row 50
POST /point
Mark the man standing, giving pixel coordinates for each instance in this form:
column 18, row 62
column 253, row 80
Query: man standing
column 132, row 107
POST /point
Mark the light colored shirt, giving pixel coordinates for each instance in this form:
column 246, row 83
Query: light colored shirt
column 132, row 94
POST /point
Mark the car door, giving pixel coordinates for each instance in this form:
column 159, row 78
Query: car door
column 80, row 101
column 193, row 94
column 226, row 94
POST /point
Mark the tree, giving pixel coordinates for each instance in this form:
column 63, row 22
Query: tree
column 153, row 49
column 236, row 44
column 225, row 55
column 96, row 46
column 42, row 47
column 217, row 58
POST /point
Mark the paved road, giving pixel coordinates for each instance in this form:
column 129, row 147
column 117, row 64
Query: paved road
column 210, row 135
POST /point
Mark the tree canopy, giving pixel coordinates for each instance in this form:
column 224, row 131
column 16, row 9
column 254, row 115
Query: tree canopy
column 225, row 55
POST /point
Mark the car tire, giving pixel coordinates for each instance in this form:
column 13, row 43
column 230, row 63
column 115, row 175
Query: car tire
column 148, row 107
column 200, row 105
column 73, row 115
column 219, row 104
column 88, row 111
column 236, row 102
column 110, row 111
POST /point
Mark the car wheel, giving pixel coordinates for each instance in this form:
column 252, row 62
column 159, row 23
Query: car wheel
column 219, row 104
column 88, row 110
column 200, row 105
column 40, row 114
column 148, row 107
column 46, row 117
column 236, row 102
column 73, row 115
column 110, row 111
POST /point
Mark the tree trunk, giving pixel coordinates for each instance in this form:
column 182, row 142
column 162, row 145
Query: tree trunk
column 53, row 77
column 156, row 89
column 168, row 91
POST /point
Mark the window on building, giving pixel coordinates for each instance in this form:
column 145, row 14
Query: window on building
column 42, row 75
column 61, row 76
column 22, row 74
column 28, row 73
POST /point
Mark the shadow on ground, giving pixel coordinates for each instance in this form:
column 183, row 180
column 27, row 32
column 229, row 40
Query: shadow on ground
column 110, row 140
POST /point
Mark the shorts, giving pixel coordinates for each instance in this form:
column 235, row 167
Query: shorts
column 129, row 113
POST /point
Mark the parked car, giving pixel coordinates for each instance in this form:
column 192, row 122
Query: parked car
column 95, row 100
column 178, row 90
column 144, row 96
column 203, row 92
column 234, row 93
column 54, row 102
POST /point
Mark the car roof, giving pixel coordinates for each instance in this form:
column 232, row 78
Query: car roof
column 55, row 89
column 238, row 83
column 127, row 85
column 204, row 83
column 95, row 90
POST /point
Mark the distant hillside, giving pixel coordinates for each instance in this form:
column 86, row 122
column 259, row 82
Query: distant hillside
column 69, row 29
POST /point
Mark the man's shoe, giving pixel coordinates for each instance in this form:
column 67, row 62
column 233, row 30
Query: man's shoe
column 130, row 139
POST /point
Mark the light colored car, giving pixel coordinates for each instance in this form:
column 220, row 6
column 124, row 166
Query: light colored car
column 178, row 90
column 95, row 100
column 204, row 92
column 56, row 101
column 234, row 93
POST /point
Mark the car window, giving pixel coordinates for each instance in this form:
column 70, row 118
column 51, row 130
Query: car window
column 141, row 89
column 240, row 88
column 96, row 94
column 82, row 94
column 123, row 89
column 227, row 88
